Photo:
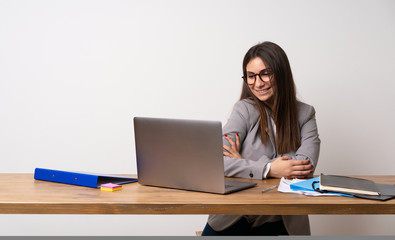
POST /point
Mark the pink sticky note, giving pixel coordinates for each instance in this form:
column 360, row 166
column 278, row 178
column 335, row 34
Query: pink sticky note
column 110, row 185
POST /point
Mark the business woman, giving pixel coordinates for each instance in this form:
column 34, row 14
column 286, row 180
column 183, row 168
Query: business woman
column 270, row 134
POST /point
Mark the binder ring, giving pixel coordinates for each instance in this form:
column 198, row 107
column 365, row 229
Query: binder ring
column 317, row 189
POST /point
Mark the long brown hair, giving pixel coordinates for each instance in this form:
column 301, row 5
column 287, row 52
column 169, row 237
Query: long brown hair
column 284, row 108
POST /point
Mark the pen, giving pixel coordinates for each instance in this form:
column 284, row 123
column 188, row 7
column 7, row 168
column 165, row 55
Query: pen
column 269, row 188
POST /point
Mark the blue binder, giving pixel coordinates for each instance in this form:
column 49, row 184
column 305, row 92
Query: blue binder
column 81, row 179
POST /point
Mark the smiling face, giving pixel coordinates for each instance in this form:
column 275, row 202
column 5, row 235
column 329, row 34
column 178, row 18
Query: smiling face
column 262, row 89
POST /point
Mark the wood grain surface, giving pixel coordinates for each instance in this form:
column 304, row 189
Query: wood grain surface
column 21, row 194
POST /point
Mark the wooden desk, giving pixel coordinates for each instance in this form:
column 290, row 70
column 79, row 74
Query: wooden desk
column 21, row 194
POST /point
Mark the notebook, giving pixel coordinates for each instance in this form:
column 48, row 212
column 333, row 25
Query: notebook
column 357, row 187
column 182, row 154
column 346, row 184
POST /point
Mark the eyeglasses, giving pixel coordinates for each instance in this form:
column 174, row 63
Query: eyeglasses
column 264, row 75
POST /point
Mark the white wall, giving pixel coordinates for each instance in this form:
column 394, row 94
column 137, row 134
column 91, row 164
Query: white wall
column 74, row 73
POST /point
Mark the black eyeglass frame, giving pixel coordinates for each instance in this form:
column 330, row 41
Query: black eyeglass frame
column 266, row 71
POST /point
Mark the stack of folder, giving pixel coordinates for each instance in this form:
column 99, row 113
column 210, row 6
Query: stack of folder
column 346, row 186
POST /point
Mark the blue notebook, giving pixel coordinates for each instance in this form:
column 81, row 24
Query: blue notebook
column 80, row 179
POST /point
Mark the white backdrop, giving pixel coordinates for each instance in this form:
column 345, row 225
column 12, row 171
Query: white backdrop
column 74, row 73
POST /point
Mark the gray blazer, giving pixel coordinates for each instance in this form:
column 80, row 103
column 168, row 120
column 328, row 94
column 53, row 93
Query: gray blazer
column 244, row 120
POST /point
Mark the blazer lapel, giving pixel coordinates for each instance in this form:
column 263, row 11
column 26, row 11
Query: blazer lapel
column 269, row 130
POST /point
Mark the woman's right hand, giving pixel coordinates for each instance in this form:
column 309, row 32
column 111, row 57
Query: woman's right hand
column 285, row 167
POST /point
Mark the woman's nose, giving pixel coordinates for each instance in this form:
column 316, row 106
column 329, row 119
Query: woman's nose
column 259, row 82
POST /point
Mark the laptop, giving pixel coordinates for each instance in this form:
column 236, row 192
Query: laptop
column 182, row 154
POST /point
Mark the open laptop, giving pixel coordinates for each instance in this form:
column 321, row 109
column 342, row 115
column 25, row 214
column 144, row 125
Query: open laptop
column 183, row 154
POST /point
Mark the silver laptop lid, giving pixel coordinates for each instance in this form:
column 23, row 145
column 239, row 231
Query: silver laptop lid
column 185, row 154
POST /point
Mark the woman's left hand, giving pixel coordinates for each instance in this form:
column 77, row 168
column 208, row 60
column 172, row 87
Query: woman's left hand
column 233, row 150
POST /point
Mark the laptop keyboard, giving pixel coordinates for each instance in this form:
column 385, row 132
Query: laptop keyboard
column 232, row 186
